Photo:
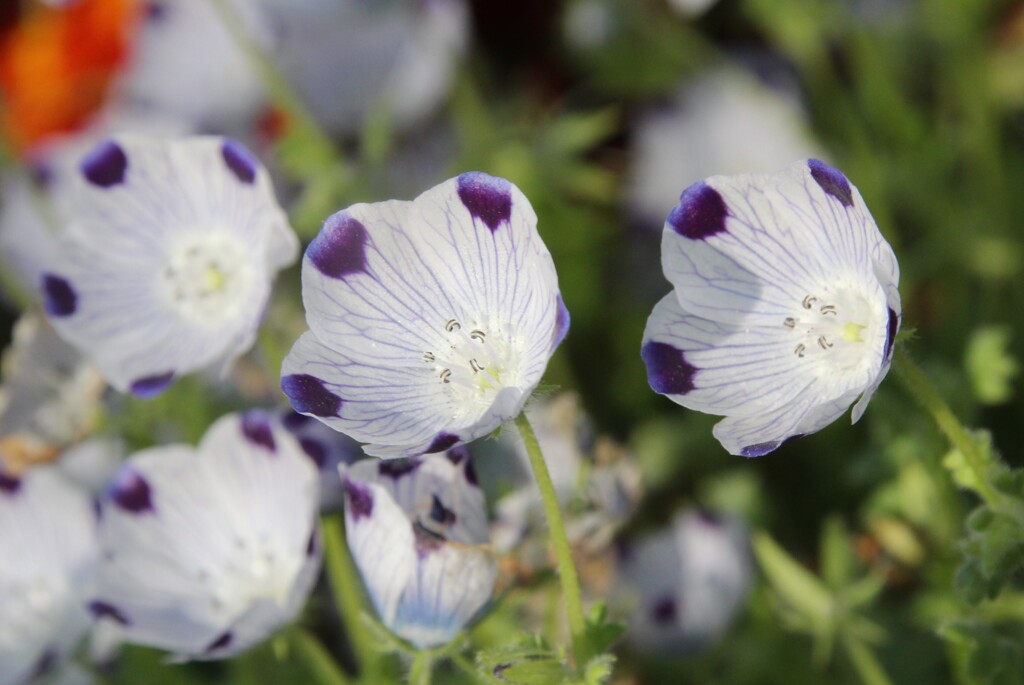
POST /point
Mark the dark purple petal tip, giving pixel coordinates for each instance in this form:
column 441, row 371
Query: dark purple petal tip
column 832, row 181
column 760, row 449
column 488, row 198
column 358, row 499
column 309, row 395
column 339, row 249
column 221, row 642
column 315, row 450
column 151, row 386
column 101, row 609
column 664, row 611
column 700, row 214
column 130, row 491
column 441, row 442
column 59, row 298
column 561, row 322
column 9, row 484
column 668, row 372
column 239, row 160
column 396, row 468
column 256, row 429
column 890, row 333
column 106, row 165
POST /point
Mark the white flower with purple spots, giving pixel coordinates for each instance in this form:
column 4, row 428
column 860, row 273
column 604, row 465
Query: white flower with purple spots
column 431, row 321
column 785, row 306
column 328, row 449
column 49, row 552
column 686, row 582
column 417, row 530
column 167, row 265
column 208, row 551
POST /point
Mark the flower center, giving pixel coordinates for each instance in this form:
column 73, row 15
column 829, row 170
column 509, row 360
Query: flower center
column 836, row 328
column 251, row 572
column 207, row 277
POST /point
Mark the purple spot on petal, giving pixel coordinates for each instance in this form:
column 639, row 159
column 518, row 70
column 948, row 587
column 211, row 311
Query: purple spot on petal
column 708, row 517
column 441, row 442
column 101, row 609
column 220, row 643
column 457, row 455
column 700, row 214
column 339, row 249
column 396, row 468
column 668, row 372
column 151, row 386
column 42, row 174
column 315, row 450
column 832, row 181
column 358, row 499
column 9, row 484
column 46, row 662
column 309, row 395
column 105, row 166
column 130, row 491
column 241, row 162
column 890, row 333
column 256, row 429
column 440, row 513
column 664, row 611
column 59, row 298
column 561, row 322
column 760, row 449
column 488, row 198
column 426, row 540
column 294, row 421
column 155, row 11
column 311, row 544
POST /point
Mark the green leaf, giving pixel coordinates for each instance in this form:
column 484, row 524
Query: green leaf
column 599, row 670
column 989, row 657
column 990, row 365
column 793, row 583
column 528, row 663
column 601, row 633
column 838, row 562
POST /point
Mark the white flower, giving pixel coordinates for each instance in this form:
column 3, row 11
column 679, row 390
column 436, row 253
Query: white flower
column 785, row 306
column 417, row 530
column 167, row 263
column 432, row 320
column 49, row 551
column 686, row 582
column 207, row 551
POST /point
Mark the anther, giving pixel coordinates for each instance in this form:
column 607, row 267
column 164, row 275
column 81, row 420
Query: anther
column 478, row 335
column 808, row 301
column 829, row 309
column 824, row 343
column 790, row 322
column 475, row 365
column 428, row 356
column 452, row 325
column 446, row 375
column 799, row 350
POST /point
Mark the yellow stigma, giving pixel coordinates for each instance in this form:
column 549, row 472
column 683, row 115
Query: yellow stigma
column 851, row 332
column 215, row 279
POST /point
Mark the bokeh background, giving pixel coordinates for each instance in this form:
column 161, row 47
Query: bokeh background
column 602, row 111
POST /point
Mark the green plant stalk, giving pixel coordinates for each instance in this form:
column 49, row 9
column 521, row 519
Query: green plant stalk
column 422, row 668
column 924, row 392
column 317, row 659
column 559, row 540
column 865, row 662
column 345, row 582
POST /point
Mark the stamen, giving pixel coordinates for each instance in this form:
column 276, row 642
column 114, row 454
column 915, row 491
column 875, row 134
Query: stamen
column 478, row 335
column 824, row 343
column 475, row 365
column 790, row 322
column 808, row 301
column 452, row 325
column 446, row 375
column 799, row 350
column 428, row 357
column 829, row 309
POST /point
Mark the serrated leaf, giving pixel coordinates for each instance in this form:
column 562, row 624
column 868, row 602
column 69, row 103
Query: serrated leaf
column 989, row 658
column 601, row 633
column 990, row 366
column 599, row 670
column 532, row 663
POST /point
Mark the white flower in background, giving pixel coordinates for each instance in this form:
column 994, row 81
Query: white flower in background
column 207, row 551
column 50, row 397
column 432, row 320
column 348, row 58
column 167, row 263
column 49, row 552
column 724, row 122
column 417, row 529
column 785, row 306
column 686, row 582
column 328, row 449
column 691, row 8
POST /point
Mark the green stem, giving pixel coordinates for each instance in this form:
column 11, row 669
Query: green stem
column 468, row 668
column 865, row 662
column 924, row 392
column 559, row 540
column 317, row 659
column 345, row 582
column 422, row 668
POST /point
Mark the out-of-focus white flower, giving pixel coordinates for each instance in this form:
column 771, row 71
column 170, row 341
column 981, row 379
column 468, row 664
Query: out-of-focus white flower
column 328, row 449
column 93, row 462
column 417, row 529
column 691, row 8
column 785, row 307
column 725, row 122
column 208, row 551
column 432, row 320
column 49, row 552
column 50, row 397
column 167, row 263
column 686, row 582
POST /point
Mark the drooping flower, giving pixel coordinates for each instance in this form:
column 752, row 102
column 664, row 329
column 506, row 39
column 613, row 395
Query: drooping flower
column 49, row 551
column 686, row 582
column 417, row 530
column 207, row 551
column 785, row 306
column 167, row 266
column 432, row 320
